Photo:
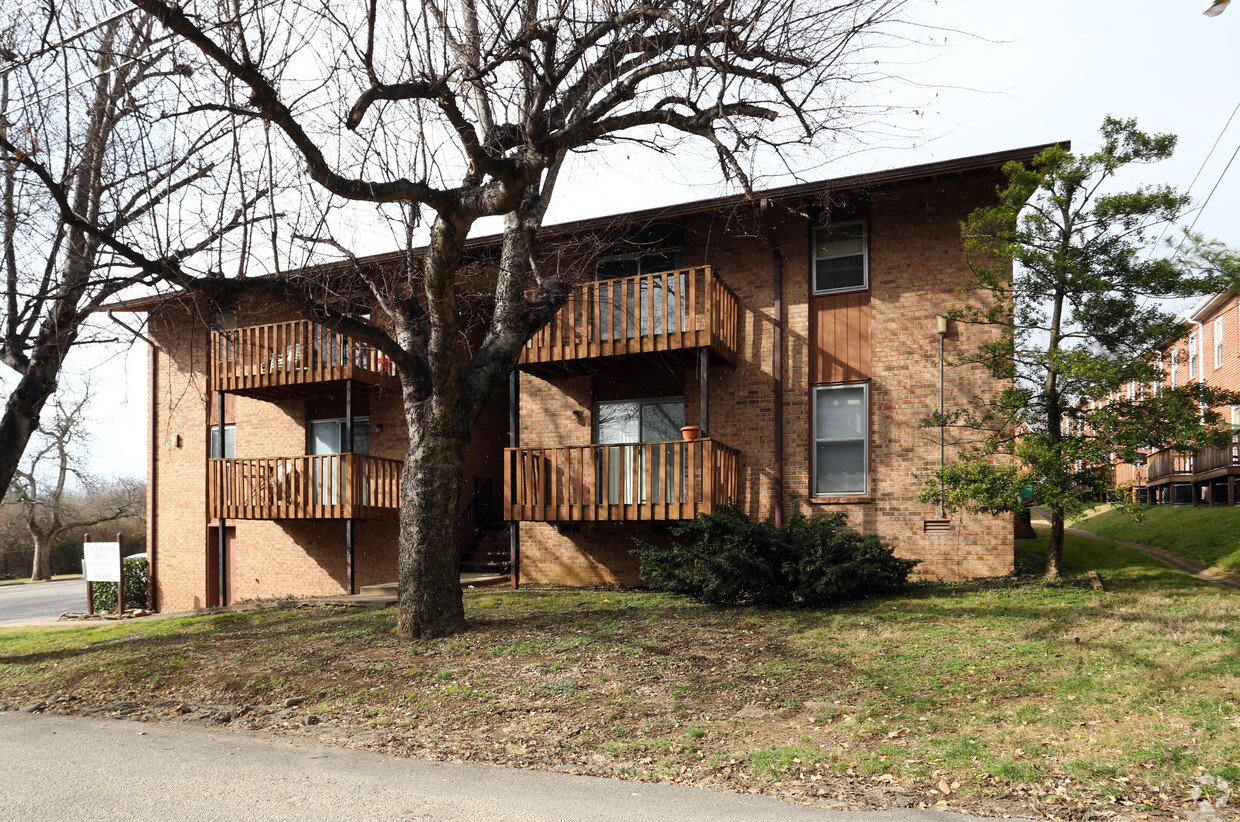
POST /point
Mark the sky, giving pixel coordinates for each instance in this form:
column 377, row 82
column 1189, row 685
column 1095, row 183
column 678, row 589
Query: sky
column 1007, row 75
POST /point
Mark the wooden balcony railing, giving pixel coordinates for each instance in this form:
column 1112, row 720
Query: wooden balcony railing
column 279, row 358
column 628, row 482
column 325, row 486
column 1125, row 473
column 673, row 310
column 1212, row 459
column 1168, row 463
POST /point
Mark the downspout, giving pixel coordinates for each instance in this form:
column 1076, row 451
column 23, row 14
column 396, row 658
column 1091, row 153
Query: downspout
column 777, row 360
column 152, row 464
column 349, row 534
column 222, row 536
column 514, row 441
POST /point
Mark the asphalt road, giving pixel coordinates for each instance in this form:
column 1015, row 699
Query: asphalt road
column 95, row 770
column 40, row 603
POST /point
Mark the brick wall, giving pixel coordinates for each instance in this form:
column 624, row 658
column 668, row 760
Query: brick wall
column 916, row 267
column 269, row 558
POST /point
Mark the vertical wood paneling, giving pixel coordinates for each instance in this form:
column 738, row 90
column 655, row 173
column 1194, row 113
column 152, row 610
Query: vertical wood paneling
column 841, row 345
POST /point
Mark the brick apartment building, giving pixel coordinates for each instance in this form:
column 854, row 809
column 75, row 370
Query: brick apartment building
column 1209, row 353
column 798, row 332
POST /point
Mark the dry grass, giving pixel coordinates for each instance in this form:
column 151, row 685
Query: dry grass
column 1004, row 697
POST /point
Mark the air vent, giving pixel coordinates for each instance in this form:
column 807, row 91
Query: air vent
column 936, row 526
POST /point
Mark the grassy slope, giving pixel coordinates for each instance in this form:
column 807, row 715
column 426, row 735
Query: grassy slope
column 1208, row 535
column 1015, row 689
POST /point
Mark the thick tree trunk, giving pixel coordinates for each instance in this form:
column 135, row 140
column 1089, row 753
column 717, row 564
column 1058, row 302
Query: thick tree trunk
column 41, row 567
column 1054, row 554
column 430, row 588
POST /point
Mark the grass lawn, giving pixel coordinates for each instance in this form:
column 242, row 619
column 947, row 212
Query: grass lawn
column 1208, row 535
column 26, row 580
column 1005, row 697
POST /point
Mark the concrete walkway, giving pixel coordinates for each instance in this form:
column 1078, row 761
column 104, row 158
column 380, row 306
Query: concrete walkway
column 1192, row 567
column 73, row 768
column 1188, row 566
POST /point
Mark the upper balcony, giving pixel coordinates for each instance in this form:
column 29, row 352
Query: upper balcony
column 673, row 311
column 1166, row 465
column 623, row 482
column 290, row 360
column 323, row 486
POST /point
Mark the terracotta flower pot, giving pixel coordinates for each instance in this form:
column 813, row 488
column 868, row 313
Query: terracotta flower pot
column 691, row 432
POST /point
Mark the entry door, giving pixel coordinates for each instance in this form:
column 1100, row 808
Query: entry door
column 622, row 426
column 213, row 565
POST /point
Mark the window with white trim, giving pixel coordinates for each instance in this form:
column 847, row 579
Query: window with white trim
column 1175, row 367
column 1192, row 355
column 841, row 440
column 1218, row 343
column 841, row 258
column 1235, row 423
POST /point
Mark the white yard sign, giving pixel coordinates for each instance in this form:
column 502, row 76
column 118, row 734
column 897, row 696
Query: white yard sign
column 101, row 561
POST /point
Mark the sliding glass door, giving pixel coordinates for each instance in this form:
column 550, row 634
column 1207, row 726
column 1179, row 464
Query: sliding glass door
column 622, row 428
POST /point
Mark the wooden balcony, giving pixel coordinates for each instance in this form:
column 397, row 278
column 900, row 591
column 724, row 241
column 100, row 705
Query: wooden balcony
column 1125, row 473
column 294, row 359
column 1218, row 461
column 325, row 486
column 641, row 481
column 674, row 311
column 1166, row 464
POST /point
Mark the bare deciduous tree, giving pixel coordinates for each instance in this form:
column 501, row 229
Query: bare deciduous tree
column 40, row 484
column 458, row 112
column 82, row 126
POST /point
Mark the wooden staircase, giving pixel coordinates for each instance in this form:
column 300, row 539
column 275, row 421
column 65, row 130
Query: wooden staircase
column 483, row 533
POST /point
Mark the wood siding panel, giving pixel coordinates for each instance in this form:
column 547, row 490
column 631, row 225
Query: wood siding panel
column 840, row 344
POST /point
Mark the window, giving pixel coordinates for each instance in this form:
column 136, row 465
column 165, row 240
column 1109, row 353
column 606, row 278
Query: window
column 841, row 440
column 230, row 442
column 841, row 258
column 1175, row 367
column 1235, row 423
column 327, row 436
column 1218, row 343
column 1192, row 355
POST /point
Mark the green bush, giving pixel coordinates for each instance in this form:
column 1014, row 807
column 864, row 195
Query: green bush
column 730, row 558
column 135, row 575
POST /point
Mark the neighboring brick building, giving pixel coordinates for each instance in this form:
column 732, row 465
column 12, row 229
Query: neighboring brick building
column 798, row 331
column 1208, row 353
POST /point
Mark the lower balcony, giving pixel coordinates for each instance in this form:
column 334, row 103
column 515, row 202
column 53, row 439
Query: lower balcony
column 642, row 481
column 323, row 486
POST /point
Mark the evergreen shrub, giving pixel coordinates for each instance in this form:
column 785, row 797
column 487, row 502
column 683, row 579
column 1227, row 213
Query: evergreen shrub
column 730, row 558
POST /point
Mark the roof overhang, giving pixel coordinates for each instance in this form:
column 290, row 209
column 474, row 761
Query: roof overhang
column 838, row 185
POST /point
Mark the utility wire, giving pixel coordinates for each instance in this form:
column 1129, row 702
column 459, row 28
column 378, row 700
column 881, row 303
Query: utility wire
column 1196, row 176
column 1216, row 185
